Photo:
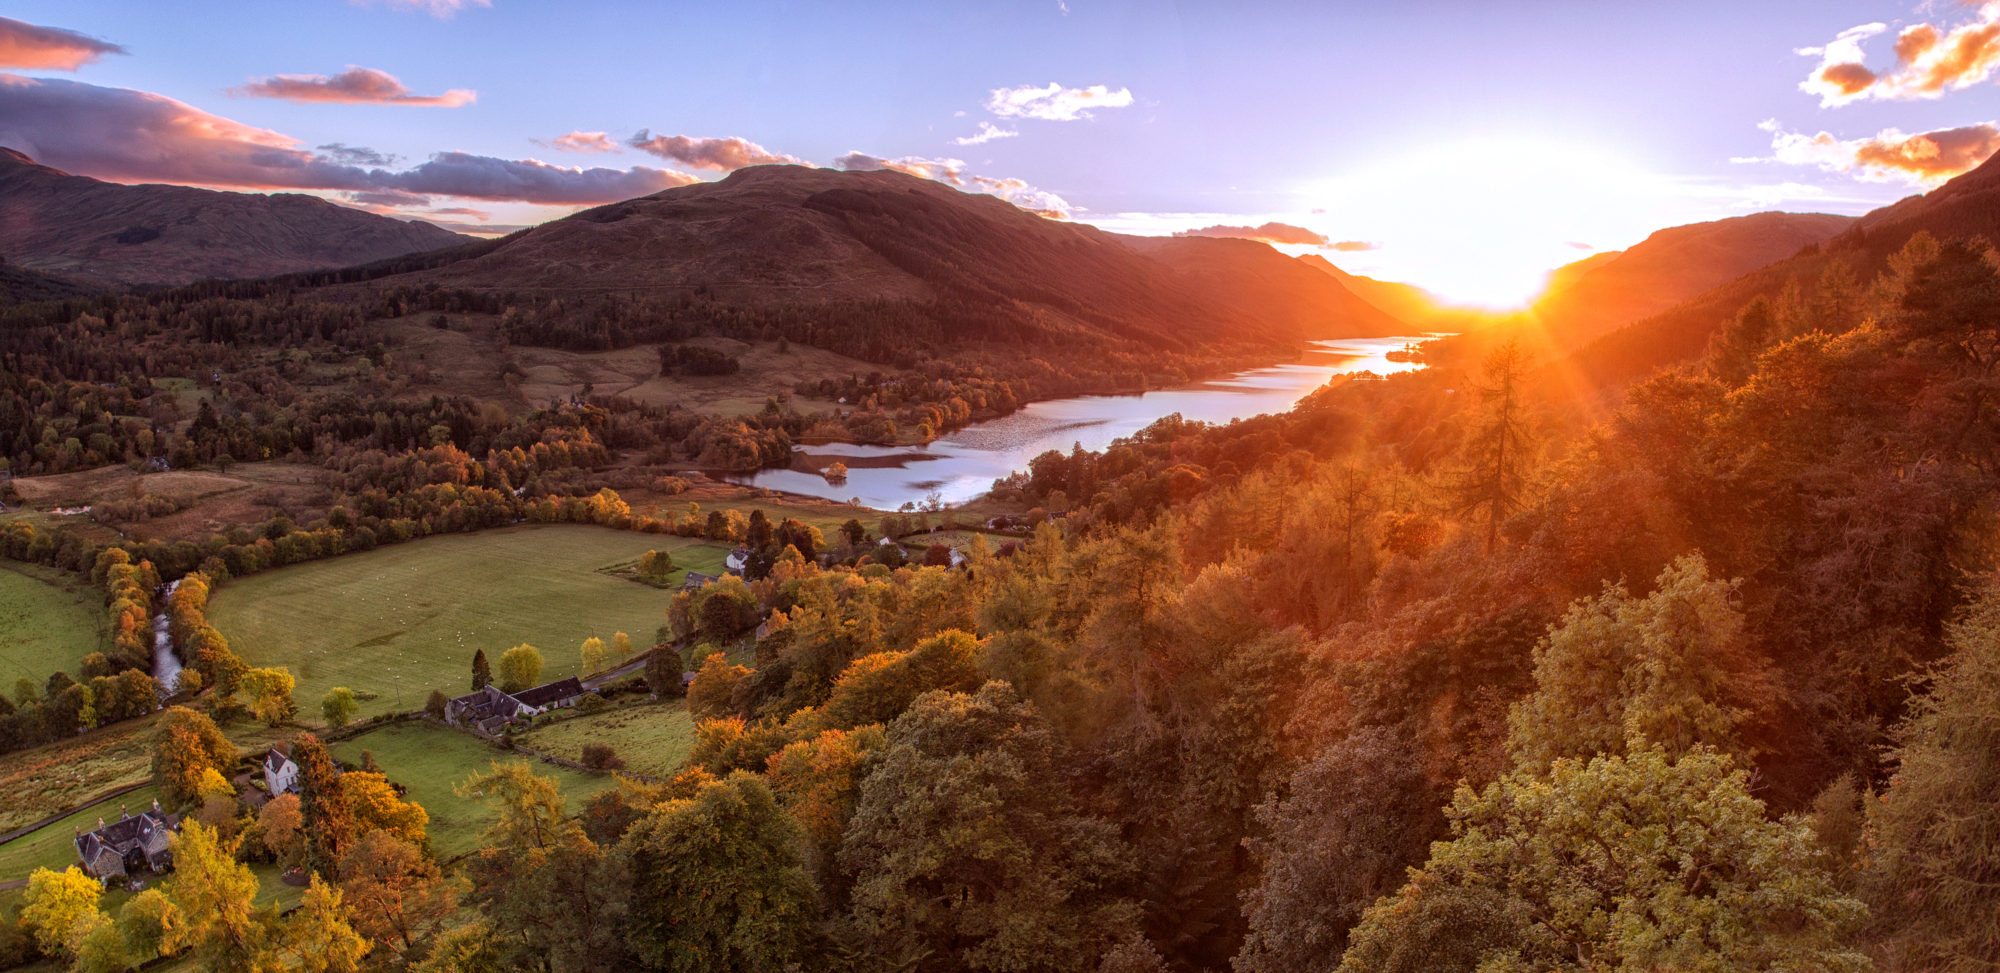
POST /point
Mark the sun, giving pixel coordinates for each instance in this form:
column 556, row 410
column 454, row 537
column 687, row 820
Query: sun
column 1481, row 221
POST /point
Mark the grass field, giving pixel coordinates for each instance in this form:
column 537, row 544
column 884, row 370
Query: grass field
column 58, row 776
column 406, row 619
column 431, row 760
column 653, row 738
column 51, row 847
column 49, row 620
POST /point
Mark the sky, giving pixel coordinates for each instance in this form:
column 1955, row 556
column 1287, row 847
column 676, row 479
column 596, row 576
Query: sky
column 1467, row 147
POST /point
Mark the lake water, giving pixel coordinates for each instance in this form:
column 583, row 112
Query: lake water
column 964, row 464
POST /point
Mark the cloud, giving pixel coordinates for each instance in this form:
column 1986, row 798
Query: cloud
column 354, row 86
column 952, row 172
column 987, row 133
column 1929, row 158
column 137, row 136
column 580, row 142
column 1930, row 60
column 1054, row 103
column 388, row 199
column 1353, row 246
column 725, row 154
column 355, row 155
column 48, row 48
column 441, row 9
column 1579, row 246
column 1271, row 233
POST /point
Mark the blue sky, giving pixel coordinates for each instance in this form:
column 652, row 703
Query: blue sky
column 1471, row 145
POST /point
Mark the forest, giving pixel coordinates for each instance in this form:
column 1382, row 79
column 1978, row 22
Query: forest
column 1452, row 671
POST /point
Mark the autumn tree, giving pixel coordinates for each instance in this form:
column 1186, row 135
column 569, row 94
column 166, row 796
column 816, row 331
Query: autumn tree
column 482, row 674
column 436, row 704
column 1639, row 861
column 62, row 909
column 1499, row 442
column 394, row 894
column 338, row 706
column 374, row 805
column 323, row 808
column 663, row 673
column 621, row 646
column 964, row 848
column 317, row 937
column 217, row 896
column 270, row 694
column 592, row 655
column 186, row 743
column 279, row 823
column 535, row 854
column 714, row 686
column 1933, row 878
column 718, row 882
column 520, row 668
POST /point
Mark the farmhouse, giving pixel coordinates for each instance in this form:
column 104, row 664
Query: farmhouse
column 281, row 775
column 490, row 709
column 695, row 580
column 128, row 845
column 736, row 561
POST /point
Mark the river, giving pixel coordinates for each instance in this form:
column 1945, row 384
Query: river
column 964, row 464
column 166, row 662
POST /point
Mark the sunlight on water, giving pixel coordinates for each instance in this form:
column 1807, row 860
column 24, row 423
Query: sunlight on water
column 965, row 463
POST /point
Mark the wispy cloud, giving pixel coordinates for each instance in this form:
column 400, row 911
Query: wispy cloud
column 1353, row 246
column 48, row 48
column 589, row 142
column 1924, row 159
column 952, row 172
column 137, row 136
column 441, row 9
column 355, row 86
column 722, row 154
column 1054, row 102
column 987, row 133
column 1931, row 60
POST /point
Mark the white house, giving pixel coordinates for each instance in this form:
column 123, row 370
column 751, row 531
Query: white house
column 281, row 775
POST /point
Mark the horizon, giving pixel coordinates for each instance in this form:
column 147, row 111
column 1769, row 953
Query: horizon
column 1485, row 152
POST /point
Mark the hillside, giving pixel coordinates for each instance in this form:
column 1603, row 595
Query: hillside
column 782, row 242
column 1671, row 266
column 111, row 234
column 1249, row 273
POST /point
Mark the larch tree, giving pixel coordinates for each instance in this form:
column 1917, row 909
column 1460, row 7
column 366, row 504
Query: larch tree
column 62, row 909
column 316, row 937
column 1499, row 443
column 326, row 819
column 592, row 655
column 394, row 894
column 185, row 743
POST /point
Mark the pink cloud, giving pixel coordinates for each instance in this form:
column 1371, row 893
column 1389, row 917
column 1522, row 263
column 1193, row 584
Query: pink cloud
column 590, row 142
column 354, row 86
column 952, row 172
column 1928, row 158
column 1930, row 61
column 136, row 136
column 48, row 48
column 724, row 154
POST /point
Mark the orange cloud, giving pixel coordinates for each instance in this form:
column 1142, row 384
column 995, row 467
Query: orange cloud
column 1271, row 233
column 1930, row 60
column 1040, row 202
column 138, row 136
column 48, row 48
column 725, row 154
column 581, row 142
column 354, row 86
column 1929, row 158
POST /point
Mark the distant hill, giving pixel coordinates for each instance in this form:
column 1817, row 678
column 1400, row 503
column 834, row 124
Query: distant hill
column 1406, row 302
column 1604, row 292
column 788, row 241
column 109, row 234
column 18, row 284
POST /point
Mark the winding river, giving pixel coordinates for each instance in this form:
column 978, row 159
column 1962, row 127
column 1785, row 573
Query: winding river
column 964, row 465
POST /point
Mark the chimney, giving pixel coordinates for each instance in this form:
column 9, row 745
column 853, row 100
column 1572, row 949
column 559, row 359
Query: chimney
column 100, row 824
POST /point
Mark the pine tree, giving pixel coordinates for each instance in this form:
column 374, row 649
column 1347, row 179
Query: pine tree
column 482, row 674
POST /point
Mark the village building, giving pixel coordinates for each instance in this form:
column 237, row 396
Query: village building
column 490, row 709
column 736, row 561
column 281, row 774
column 128, row 845
column 695, row 580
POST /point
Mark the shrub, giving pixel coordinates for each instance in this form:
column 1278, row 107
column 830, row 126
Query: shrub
column 600, row 756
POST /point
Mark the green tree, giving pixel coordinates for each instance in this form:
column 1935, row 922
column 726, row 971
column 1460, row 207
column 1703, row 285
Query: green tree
column 718, row 882
column 482, row 674
column 656, row 566
column 338, row 706
column 1672, row 669
column 1640, row 861
column 1934, row 878
column 592, row 655
column 964, row 847
column 663, row 673
column 520, row 668
column 186, row 743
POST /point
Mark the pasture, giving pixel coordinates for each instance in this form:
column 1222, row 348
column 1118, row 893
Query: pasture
column 55, row 777
column 652, row 738
column 394, row 623
column 431, row 761
column 49, row 620
column 52, row 846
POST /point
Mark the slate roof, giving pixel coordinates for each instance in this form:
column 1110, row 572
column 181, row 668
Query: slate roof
column 554, row 692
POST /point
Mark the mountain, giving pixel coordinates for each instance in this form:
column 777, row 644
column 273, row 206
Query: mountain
column 109, row 234
column 1605, row 292
column 1406, row 302
column 1565, row 277
column 782, row 242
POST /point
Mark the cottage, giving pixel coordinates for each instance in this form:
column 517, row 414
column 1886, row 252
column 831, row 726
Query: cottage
column 281, row 775
column 490, row 709
column 736, row 561
column 128, row 845
column 695, row 580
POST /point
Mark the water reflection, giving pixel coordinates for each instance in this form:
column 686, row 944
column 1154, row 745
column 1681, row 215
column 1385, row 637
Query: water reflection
column 965, row 464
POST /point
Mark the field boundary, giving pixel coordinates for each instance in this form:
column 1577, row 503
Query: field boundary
column 27, row 830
